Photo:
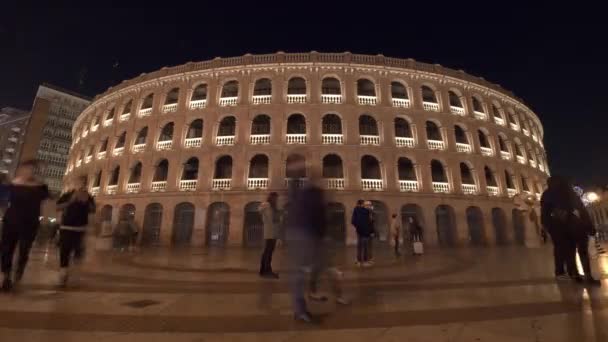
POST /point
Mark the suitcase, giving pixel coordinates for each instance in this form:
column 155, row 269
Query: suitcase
column 418, row 248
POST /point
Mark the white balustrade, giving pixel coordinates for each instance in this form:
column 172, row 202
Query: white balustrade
column 297, row 182
column 499, row 121
column 436, row 144
column 401, row 103
column 405, row 142
column 159, row 186
column 541, row 166
column 369, row 139
column 187, row 185
column 408, row 185
column 296, row 98
column 198, row 104
column 221, row 184
column 441, row 187
column 164, row 145
column 367, row 100
column 101, row 154
column 78, row 162
column 261, row 99
column 430, row 106
column 514, row 127
column 193, row 142
column 521, row 159
column 118, row 151
column 87, row 159
column 538, row 197
column 331, row 98
column 492, row 190
column 85, row 133
column 257, row 183
column 526, row 132
column 170, row 108
column 295, row 138
column 107, row 122
column 372, row 184
column 505, row 155
column 533, row 163
column 486, row 151
column 138, row 148
column 511, row 192
column 469, row 189
column 534, row 137
column 111, row 189
column 259, row 139
column 125, row 117
column 480, row 115
column 225, row 140
column 145, row 112
column 229, row 101
column 94, row 127
column 334, row 183
column 463, row 148
column 95, row 191
column 13, row 139
column 133, row 188
column 330, row 139
column 457, row 110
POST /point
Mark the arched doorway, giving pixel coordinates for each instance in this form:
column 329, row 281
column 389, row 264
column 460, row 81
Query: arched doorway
column 253, row 230
column 380, row 217
column 183, row 224
column 105, row 220
column 519, row 227
column 153, row 218
column 218, row 223
column 414, row 211
column 336, row 222
column 499, row 221
column 127, row 212
column 477, row 233
column 446, row 225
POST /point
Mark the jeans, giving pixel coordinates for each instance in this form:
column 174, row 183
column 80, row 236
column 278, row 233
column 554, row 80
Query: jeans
column 397, row 246
column 266, row 262
column 11, row 237
column 70, row 242
column 565, row 247
column 363, row 248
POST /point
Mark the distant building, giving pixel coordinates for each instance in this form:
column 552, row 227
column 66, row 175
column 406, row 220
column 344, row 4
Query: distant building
column 48, row 135
column 13, row 123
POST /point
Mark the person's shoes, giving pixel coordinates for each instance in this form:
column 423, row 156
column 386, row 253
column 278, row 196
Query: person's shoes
column 7, row 284
column 591, row 281
column 317, row 297
column 305, row 317
column 562, row 277
column 63, row 277
column 270, row 275
column 342, row 301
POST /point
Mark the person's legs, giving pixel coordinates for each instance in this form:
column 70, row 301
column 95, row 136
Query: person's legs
column 26, row 240
column 370, row 246
column 266, row 262
column 10, row 238
column 560, row 252
column 397, row 246
column 365, row 248
column 582, row 246
column 360, row 249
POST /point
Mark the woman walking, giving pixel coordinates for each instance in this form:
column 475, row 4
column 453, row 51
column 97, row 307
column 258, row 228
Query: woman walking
column 271, row 219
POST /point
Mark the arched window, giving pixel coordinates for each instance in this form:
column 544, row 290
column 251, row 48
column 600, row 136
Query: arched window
column 295, row 166
column 161, row 171
column 296, row 86
column 402, row 128
column 365, row 87
column 172, row 96
column 466, row 175
column 398, row 91
column 97, row 180
column 332, row 166
column 477, row 105
column 223, row 168
column 127, row 108
column 330, row 86
column 110, row 115
column 230, row 89
column 135, row 176
column 120, row 142
column 95, row 121
column 509, row 180
column 227, row 127
column 367, row 125
column 142, row 135
column 195, row 129
column 147, row 102
column 332, row 124
column 502, row 144
column 199, row 93
column 438, row 172
column 190, row 171
column 519, row 150
column 258, row 166
column 114, row 176
column 483, row 139
column 262, row 87
column 89, row 151
column 460, row 135
column 104, row 145
column 370, row 168
column 166, row 134
column 513, row 119
column 497, row 115
column 260, row 125
column 454, row 99
column 296, row 124
column 433, row 132
column 490, row 179
column 405, row 169
column 428, row 94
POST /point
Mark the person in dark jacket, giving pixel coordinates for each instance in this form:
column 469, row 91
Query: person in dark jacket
column 565, row 218
column 361, row 220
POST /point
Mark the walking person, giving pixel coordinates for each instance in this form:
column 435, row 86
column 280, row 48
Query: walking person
column 569, row 224
column 396, row 232
column 76, row 205
column 21, row 220
column 271, row 220
column 362, row 222
column 374, row 232
column 415, row 230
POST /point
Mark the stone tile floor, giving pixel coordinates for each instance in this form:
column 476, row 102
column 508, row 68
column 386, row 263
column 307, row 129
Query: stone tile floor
column 466, row 294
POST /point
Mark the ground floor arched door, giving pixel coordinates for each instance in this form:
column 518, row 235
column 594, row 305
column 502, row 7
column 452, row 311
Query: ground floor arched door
column 519, row 227
column 380, row 217
column 477, row 233
column 153, row 218
column 218, row 223
column 499, row 221
column 336, row 222
column 105, row 220
column 253, row 229
column 446, row 225
column 183, row 224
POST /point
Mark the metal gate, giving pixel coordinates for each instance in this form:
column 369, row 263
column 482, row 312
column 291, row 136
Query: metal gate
column 253, row 230
column 218, row 223
column 446, row 229
column 153, row 218
column 183, row 224
column 477, row 234
column 336, row 224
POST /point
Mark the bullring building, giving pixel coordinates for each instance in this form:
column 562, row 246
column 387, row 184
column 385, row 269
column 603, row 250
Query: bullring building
column 190, row 151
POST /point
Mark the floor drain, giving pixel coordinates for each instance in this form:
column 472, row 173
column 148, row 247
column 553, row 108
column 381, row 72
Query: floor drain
column 140, row 304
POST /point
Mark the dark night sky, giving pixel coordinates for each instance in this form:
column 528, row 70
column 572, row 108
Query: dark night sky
column 554, row 58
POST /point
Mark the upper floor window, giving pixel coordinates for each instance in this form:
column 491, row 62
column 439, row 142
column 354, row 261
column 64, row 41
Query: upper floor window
column 142, row 135
column 262, row 87
column 195, row 129
column 428, row 94
column 455, row 100
column 260, row 125
column 120, row 143
column 161, row 171
column 147, row 102
column 466, row 177
column 402, row 128
column 135, row 176
column 127, row 108
column 368, row 125
column 190, row 171
column 296, row 86
column 227, row 126
column 477, row 105
column 330, row 86
column 258, row 168
column 230, row 89
column 438, row 173
column 172, row 96
column 199, row 93
column 166, row 134
column 332, row 124
column 460, row 135
column 365, row 87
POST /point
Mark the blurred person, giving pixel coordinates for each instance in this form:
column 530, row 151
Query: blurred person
column 123, row 233
column 567, row 221
column 396, row 232
column 361, row 220
column 374, row 234
column 76, row 205
column 271, row 220
column 414, row 228
column 21, row 220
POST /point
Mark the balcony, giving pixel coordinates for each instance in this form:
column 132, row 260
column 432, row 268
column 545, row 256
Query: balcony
column 198, row 104
column 401, row 103
column 514, row 127
column 164, row 145
column 463, row 148
column 541, row 166
column 221, row 184
column 332, row 139
column 511, row 192
column 430, row 106
column 367, row 100
column 225, row 140
column 408, row 186
column 10, row 150
column 118, row 151
column 16, row 129
column 526, row 132
column 257, row 183
column 486, row 151
column 534, row 137
column 193, row 142
column 532, row 163
column 13, row 139
column 538, row 197
column 111, row 189
column 94, row 127
column 7, row 160
column 436, row 145
column 261, row 99
column 372, row 184
column 170, row 108
column 334, row 183
column 405, row 142
column 187, row 185
column 295, row 182
column 95, row 191
column 78, row 162
column 259, row 139
column 505, row 155
column 88, row 159
column 107, row 122
column 521, row 159
column 499, row 121
column 138, row 148
column 296, row 98
column 441, row 187
column 101, row 154
column 133, row 188
column 76, row 140
column 125, row 117
column 469, row 189
column 295, row 138
column 229, row 101
column 331, row 98
column 145, row 112
column 369, row 140
column 492, row 190
column 457, row 110
column 85, row 133
column 480, row 115
column 158, row 186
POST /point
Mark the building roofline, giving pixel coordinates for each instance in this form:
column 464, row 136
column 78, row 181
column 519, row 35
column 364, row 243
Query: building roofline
column 63, row 90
